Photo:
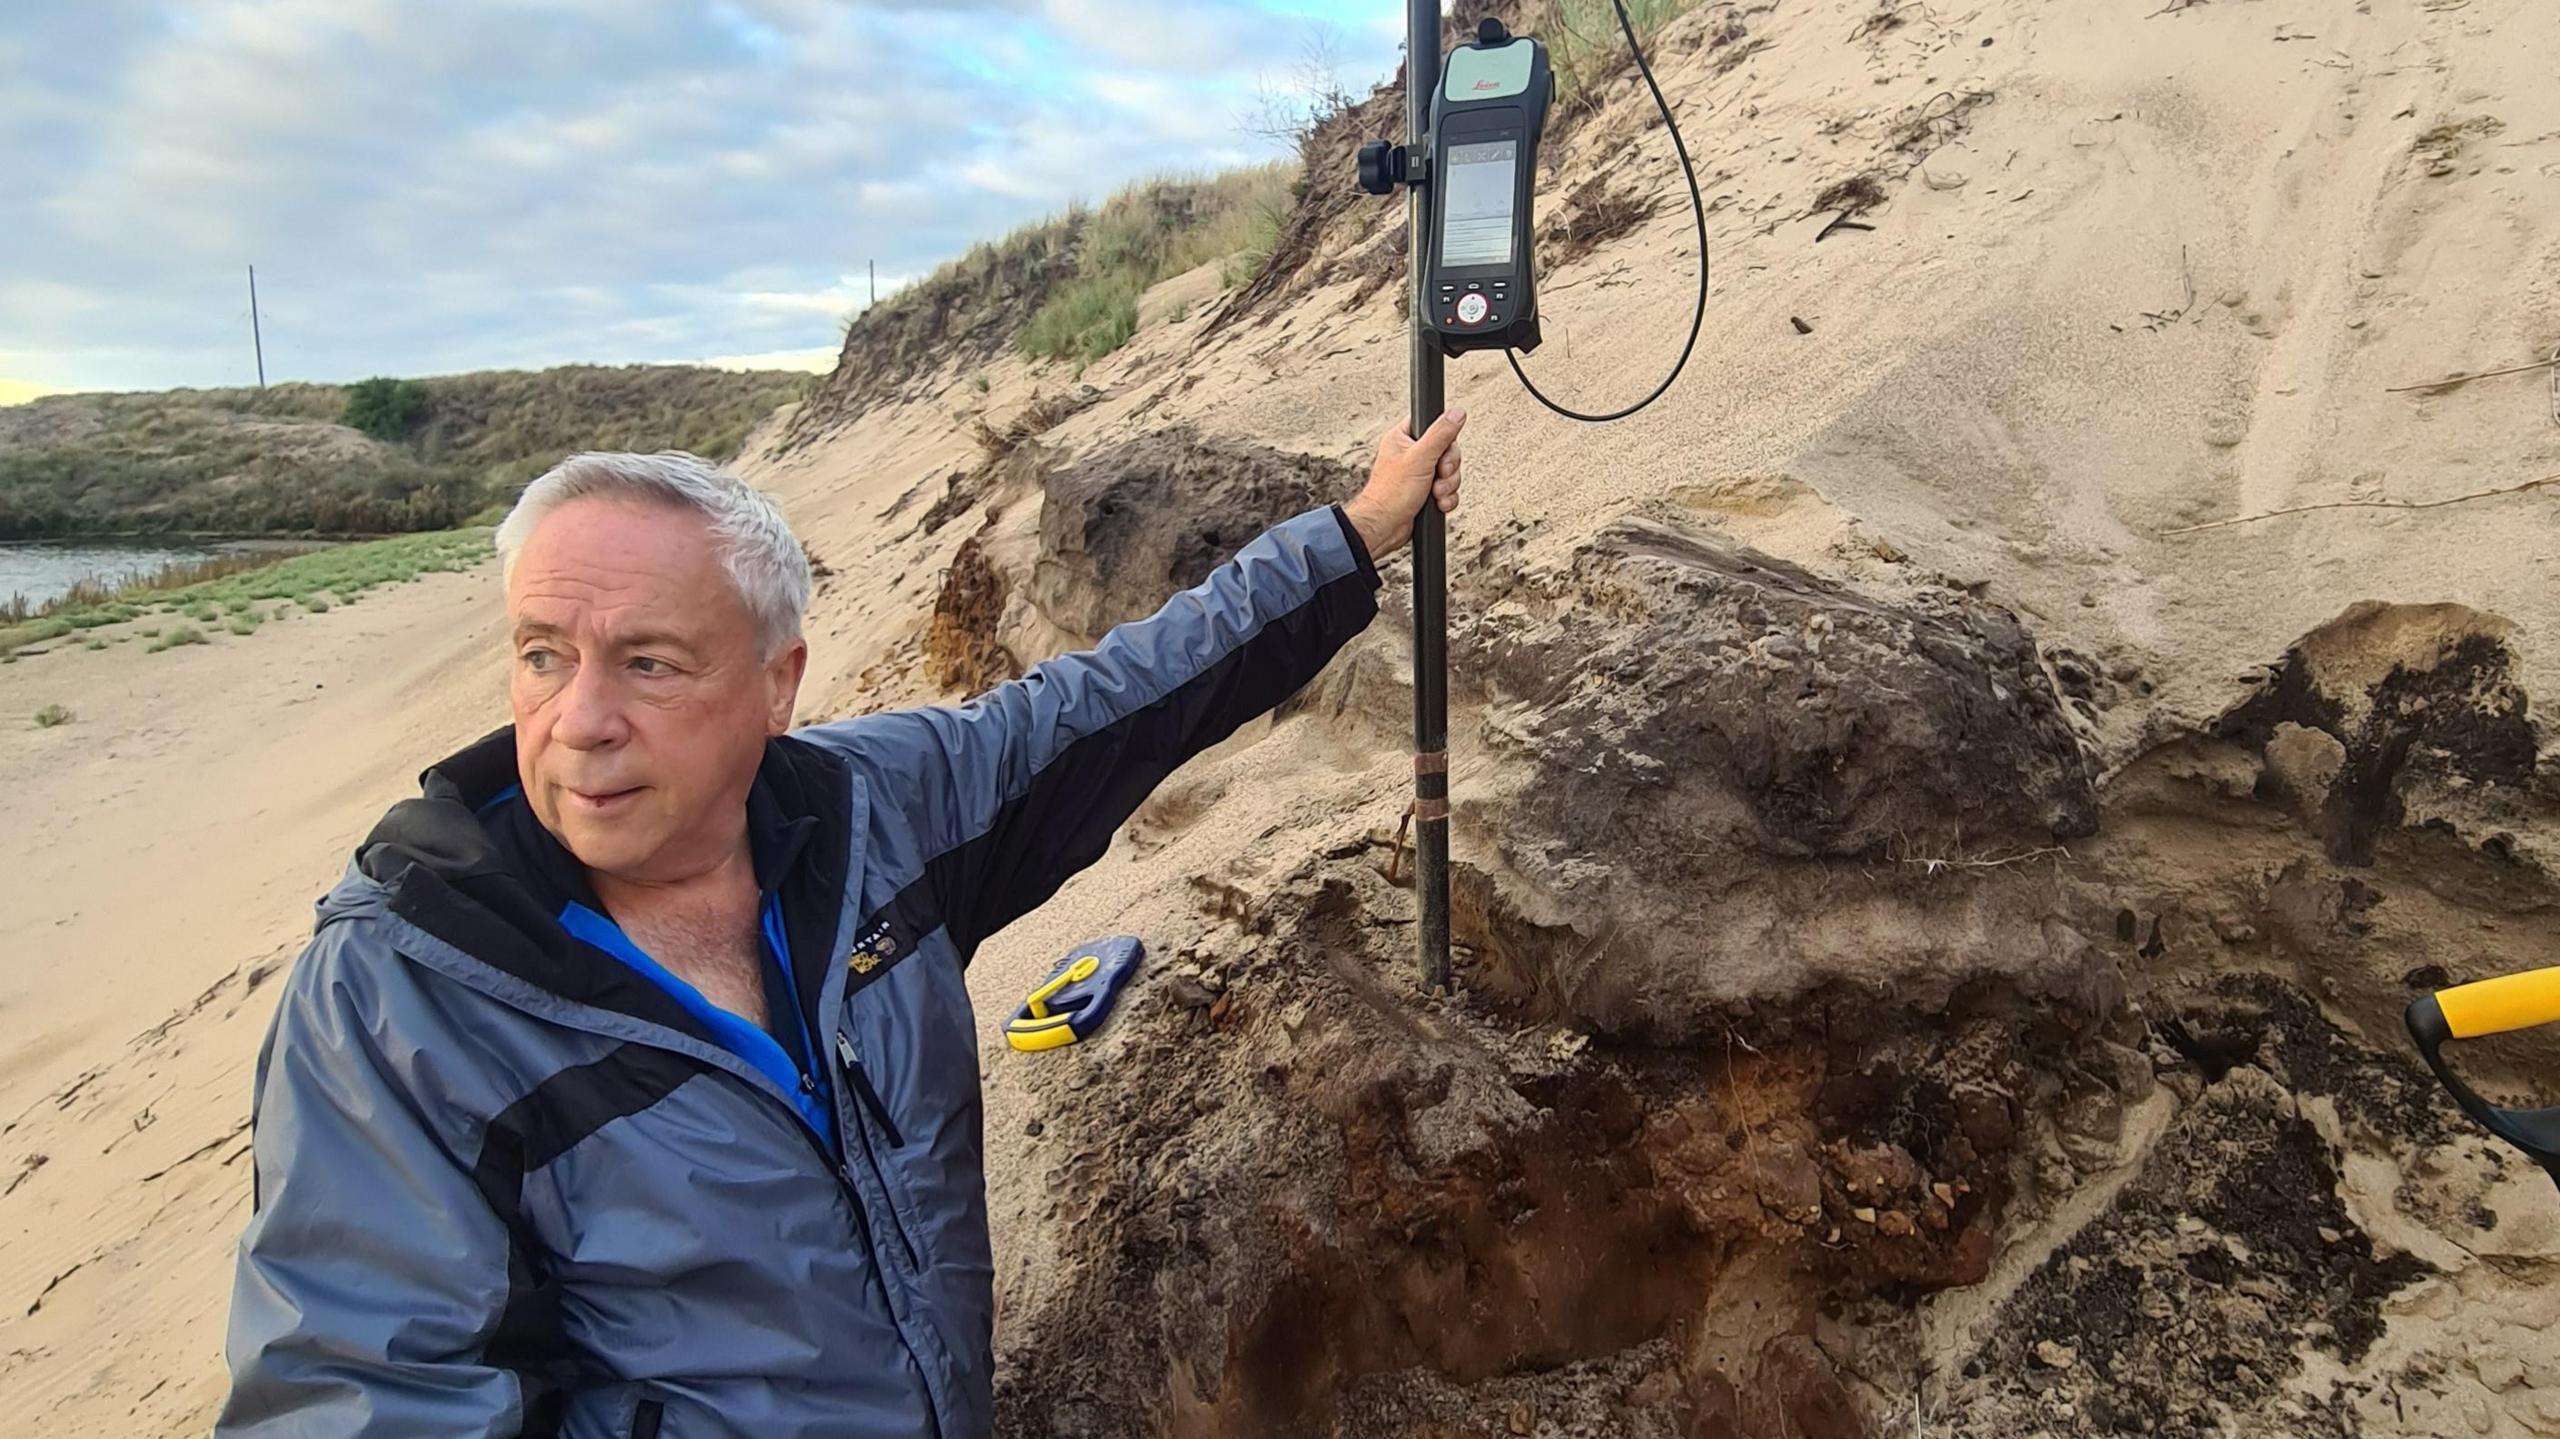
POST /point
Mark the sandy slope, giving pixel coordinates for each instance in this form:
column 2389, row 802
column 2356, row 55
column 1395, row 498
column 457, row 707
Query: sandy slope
column 2162, row 277
column 160, row 859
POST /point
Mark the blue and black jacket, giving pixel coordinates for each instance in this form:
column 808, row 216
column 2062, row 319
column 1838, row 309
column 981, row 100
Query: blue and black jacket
column 515, row 1178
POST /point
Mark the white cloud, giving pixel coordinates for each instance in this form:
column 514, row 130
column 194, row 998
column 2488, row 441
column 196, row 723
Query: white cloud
column 428, row 187
column 1158, row 32
column 817, row 361
column 836, row 301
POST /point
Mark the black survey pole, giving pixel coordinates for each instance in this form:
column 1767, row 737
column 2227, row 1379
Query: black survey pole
column 1430, row 533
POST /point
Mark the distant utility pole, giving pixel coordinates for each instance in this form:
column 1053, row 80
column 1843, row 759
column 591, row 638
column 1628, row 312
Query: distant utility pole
column 255, row 338
column 875, row 282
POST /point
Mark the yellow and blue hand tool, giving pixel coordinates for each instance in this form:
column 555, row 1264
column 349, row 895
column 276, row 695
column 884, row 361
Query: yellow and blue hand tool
column 2494, row 1006
column 1077, row 996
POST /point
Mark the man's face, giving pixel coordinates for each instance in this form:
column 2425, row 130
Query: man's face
column 641, row 705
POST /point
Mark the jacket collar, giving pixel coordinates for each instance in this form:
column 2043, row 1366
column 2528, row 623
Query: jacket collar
column 468, row 862
column 482, row 778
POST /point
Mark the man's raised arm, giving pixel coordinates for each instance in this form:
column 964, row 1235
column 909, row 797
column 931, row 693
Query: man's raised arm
column 1023, row 786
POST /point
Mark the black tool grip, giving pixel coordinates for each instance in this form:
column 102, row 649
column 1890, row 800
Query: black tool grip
column 2535, row 1131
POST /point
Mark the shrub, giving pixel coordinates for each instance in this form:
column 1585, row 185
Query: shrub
column 385, row 408
column 1088, row 318
column 182, row 635
column 1258, row 236
column 1239, row 219
column 52, row 715
column 1589, row 49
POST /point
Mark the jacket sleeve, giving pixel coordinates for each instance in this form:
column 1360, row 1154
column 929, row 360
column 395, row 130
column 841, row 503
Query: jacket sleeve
column 373, row 1274
column 1015, row 791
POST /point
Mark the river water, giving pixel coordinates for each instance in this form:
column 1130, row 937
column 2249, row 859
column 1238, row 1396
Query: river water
column 39, row 570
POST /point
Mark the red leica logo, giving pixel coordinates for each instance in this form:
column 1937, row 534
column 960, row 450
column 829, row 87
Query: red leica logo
column 1488, row 84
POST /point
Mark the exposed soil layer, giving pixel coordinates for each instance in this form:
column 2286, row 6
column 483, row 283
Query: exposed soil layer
column 2189, row 1300
column 1121, row 529
column 2383, row 691
column 1833, row 1054
column 1367, row 1204
column 961, row 651
column 1367, row 1211
column 1723, row 779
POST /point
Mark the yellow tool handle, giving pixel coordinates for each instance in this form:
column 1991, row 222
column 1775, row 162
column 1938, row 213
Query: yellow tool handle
column 2495, row 1006
column 1032, row 1041
column 1080, row 970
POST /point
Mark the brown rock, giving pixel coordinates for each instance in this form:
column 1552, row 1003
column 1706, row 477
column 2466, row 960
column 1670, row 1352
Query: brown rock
column 1985, row 1117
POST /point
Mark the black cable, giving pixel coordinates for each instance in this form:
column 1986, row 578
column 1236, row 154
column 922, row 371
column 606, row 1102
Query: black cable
column 1697, row 203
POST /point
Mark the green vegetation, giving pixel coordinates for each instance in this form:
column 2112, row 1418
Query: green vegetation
column 51, row 716
column 1586, row 48
column 1080, row 298
column 280, row 460
column 1093, row 316
column 315, row 580
column 1150, row 232
column 385, row 408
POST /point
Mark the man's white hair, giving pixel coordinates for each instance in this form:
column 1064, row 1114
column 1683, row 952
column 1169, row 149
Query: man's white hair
column 764, row 559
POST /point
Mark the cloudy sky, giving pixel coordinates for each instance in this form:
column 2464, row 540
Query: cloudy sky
column 429, row 186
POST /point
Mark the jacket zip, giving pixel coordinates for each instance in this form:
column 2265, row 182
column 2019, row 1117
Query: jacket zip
column 862, row 1087
column 870, row 1097
column 807, row 1060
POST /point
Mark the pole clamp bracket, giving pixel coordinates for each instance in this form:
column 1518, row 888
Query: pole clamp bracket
column 1384, row 166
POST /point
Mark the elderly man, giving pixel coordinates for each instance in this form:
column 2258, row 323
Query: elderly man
column 629, row 1084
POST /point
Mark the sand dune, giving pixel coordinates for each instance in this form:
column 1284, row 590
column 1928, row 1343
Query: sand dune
column 2161, row 274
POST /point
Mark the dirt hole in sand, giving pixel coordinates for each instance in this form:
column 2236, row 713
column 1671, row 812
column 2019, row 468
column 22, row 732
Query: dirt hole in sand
column 1368, row 1213
column 1559, row 1249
